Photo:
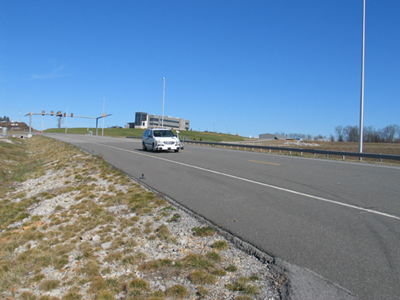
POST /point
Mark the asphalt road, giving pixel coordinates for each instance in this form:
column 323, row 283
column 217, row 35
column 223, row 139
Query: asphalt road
column 333, row 222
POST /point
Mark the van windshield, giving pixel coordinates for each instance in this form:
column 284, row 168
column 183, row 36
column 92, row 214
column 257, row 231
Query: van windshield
column 163, row 133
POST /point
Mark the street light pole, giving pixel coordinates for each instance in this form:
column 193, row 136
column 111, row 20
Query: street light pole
column 163, row 97
column 362, row 84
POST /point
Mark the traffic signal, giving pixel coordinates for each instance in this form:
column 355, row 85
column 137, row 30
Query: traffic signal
column 52, row 112
column 59, row 114
column 42, row 112
column 72, row 115
column 65, row 115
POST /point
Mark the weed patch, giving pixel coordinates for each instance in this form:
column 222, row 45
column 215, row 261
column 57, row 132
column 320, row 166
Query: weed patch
column 203, row 231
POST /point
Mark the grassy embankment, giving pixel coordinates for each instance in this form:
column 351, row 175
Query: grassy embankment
column 124, row 132
column 51, row 251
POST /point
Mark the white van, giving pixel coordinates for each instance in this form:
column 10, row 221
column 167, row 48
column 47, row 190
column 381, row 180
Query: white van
column 158, row 139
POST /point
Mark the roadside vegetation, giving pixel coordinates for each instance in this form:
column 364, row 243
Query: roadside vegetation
column 73, row 227
column 133, row 132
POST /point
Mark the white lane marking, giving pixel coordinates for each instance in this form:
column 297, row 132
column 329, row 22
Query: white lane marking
column 262, row 184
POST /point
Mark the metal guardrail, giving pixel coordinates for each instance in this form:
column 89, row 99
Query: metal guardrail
column 328, row 153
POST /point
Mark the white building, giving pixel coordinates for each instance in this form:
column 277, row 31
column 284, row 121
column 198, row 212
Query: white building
column 144, row 120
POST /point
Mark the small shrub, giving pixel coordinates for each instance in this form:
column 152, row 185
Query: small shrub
column 48, row 285
column 91, row 269
column 106, row 295
column 58, row 208
column 98, row 284
column 254, row 278
column 220, row 245
column 129, row 259
column 242, row 285
column 197, row 261
column 231, row 268
column 137, row 286
column 36, row 218
column 201, row 277
column 219, row 272
column 72, row 295
column 250, row 290
column 157, row 295
column 114, row 256
column 163, row 232
column 213, row 256
column 157, row 264
column 38, row 277
column 178, row 291
column 202, row 291
column 203, row 231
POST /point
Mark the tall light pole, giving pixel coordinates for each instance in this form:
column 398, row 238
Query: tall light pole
column 163, row 98
column 362, row 84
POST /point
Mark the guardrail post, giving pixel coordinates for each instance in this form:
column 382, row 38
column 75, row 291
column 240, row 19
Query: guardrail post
column 301, row 153
column 344, row 157
column 290, row 152
column 314, row 154
column 269, row 150
column 327, row 156
column 279, row 151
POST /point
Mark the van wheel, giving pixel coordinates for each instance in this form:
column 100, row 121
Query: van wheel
column 176, row 150
column 144, row 146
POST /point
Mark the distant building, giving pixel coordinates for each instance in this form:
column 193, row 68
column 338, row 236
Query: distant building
column 144, row 120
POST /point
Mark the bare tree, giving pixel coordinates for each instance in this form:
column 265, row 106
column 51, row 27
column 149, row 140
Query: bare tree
column 389, row 132
column 350, row 133
column 339, row 133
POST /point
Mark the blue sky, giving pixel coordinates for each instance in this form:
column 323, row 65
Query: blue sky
column 246, row 67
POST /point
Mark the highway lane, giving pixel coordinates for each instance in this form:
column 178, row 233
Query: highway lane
column 338, row 219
